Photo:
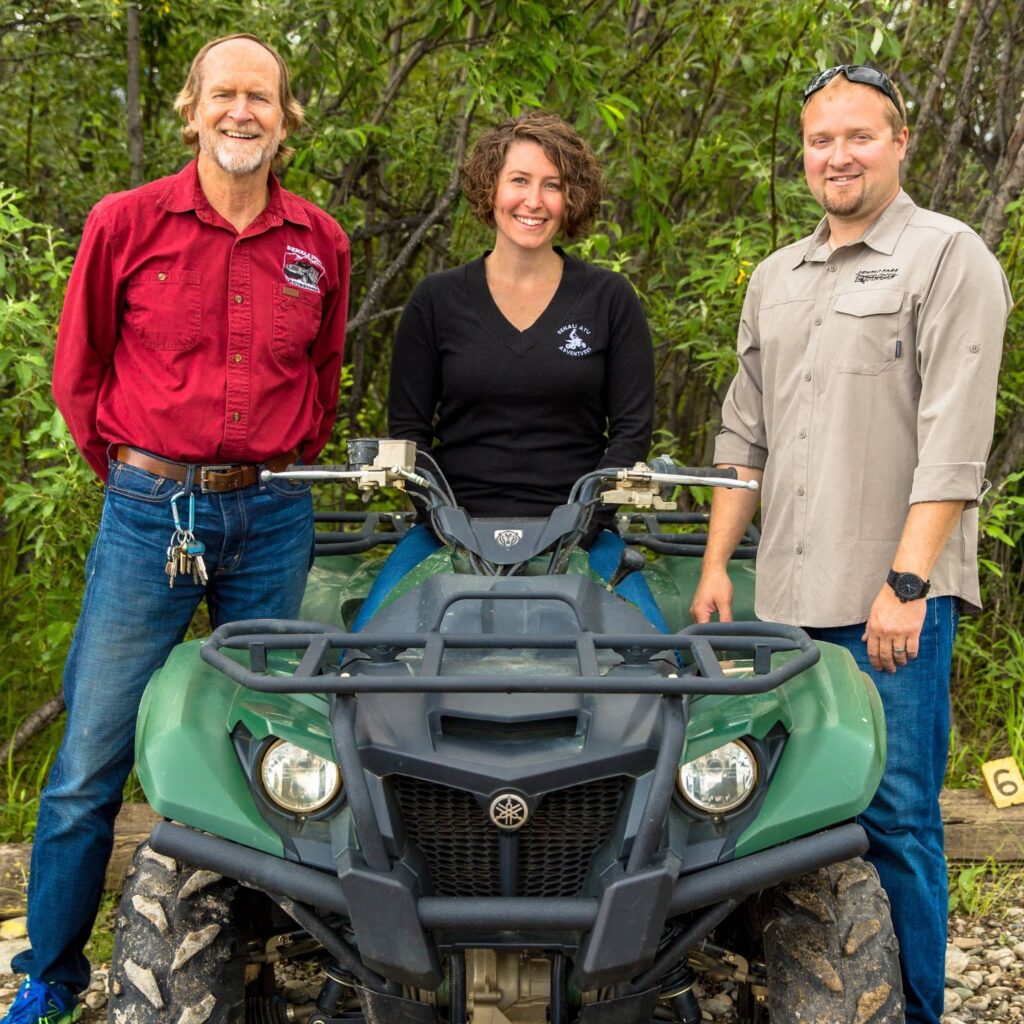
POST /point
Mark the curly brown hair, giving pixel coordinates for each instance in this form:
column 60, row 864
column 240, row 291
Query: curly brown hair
column 578, row 168
column 188, row 97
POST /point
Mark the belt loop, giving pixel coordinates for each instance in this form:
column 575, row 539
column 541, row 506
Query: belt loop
column 191, row 483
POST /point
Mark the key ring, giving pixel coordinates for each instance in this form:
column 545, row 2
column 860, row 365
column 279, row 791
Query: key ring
column 191, row 511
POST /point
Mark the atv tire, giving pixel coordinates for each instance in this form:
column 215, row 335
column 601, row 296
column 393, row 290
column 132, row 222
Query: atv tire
column 177, row 957
column 829, row 949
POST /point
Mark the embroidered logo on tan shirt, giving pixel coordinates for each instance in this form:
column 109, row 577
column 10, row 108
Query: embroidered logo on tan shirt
column 886, row 274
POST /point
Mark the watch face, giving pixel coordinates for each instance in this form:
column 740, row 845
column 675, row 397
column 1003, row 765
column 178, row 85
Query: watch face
column 908, row 586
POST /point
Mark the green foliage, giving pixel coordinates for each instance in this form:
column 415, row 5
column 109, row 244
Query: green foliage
column 48, row 500
column 982, row 889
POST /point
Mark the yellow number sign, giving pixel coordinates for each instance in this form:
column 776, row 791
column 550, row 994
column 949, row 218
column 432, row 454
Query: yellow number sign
column 1004, row 781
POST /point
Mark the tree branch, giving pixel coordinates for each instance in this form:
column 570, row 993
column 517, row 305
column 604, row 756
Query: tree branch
column 926, row 111
column 32, row 726
column 954, row 136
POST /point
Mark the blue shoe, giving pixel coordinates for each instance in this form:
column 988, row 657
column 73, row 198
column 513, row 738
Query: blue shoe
column 39, row 1003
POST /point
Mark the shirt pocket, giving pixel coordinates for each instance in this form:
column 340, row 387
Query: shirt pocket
column 865, row 331
column 165, row 308
column 296, row 322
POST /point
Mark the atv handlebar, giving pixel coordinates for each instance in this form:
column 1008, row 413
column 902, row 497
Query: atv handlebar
column 496, row 547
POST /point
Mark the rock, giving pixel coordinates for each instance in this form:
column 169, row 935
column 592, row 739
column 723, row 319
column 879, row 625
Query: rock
column 979, row 1003
column 718, row 1007
column 14, row 928
column 1000, row 955
column 296, row 992
column 1019, row 950
column 953, row 1001
column 973, row 980
column 8, row 951
column 95, row 1000
column 963, row 942
column 956, row 960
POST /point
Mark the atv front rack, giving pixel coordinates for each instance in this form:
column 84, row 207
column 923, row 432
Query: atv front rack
column 644, row 529
column 691, row 660
column 357, row 532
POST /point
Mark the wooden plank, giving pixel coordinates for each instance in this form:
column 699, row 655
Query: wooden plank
column 133, row 825
column 976, row 830
column 13, row 878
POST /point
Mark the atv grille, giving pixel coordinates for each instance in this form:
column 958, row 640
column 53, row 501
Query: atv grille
column 464, row 851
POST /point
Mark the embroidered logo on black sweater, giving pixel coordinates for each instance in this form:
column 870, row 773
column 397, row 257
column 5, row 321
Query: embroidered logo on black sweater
column 886, row 274
column 574, row 345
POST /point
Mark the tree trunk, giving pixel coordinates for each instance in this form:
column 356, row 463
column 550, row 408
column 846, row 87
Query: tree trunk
column 132, row 90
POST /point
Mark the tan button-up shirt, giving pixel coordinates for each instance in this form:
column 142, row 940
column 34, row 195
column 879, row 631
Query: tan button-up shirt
column 866, row 383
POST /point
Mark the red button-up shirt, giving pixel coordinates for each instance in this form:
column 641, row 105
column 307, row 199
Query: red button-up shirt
column 187, row 339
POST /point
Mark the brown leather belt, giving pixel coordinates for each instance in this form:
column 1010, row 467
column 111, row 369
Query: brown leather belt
column 219, row 478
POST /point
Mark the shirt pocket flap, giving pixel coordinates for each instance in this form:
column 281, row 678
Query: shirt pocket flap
column 870, row 303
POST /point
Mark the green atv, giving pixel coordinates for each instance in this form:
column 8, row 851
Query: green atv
column 509, row 799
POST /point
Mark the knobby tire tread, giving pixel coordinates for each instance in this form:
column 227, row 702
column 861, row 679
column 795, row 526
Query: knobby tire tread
column 830, row 950
column 176, row 956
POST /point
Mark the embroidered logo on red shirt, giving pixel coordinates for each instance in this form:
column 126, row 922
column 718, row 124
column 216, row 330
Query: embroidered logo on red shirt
column 303, row 269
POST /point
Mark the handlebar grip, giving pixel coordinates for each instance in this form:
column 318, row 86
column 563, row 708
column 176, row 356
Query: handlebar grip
column 709, row 471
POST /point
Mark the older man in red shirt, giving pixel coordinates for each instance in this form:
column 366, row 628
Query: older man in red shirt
column 201, row 340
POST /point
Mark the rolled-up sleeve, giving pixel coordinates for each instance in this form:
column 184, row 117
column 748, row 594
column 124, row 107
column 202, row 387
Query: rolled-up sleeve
column 960, row 324
column 743, row 440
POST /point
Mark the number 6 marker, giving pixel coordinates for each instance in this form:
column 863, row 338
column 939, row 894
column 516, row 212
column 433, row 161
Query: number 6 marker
column 1004, row 781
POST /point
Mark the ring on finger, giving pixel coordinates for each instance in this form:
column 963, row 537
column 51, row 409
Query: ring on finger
column 899, row 650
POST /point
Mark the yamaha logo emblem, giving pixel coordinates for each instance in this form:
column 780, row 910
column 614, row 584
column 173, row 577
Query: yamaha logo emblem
column 508, row 538
column 509, row 811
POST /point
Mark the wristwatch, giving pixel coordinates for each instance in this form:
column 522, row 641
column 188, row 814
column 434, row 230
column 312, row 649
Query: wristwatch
column 906, row 586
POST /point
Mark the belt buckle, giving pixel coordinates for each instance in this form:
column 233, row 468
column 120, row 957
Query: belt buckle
column 206, row 471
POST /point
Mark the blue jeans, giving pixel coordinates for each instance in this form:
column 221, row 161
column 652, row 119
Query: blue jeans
column 258, row 550
column 419, row 542
column 903, row 822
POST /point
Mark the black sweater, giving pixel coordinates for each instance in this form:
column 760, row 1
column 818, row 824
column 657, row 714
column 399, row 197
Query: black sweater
column 518, row 416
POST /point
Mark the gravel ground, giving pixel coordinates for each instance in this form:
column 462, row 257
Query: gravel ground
column 984, row 976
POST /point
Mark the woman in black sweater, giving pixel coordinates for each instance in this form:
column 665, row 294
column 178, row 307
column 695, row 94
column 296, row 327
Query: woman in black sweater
column 526, row 368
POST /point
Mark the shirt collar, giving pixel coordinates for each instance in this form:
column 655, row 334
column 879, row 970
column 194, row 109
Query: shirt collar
column 184, row 193
column 882, row 236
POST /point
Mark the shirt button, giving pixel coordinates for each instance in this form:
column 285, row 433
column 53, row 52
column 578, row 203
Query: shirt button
column 238, row 298
column 799, row 549
column 831, row 268
column 807, row 376
column 236, row 416
column 817, row 321
column 803, row 433
column 800, row 491
column 161, row 276
column 237, row 357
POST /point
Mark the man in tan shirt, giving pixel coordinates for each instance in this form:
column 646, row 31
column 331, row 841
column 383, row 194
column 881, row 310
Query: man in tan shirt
column 864, row 404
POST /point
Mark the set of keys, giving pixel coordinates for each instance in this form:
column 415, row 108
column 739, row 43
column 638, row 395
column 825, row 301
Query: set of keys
column 185, row 553
column 185, row 558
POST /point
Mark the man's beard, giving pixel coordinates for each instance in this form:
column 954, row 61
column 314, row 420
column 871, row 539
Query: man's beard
column 234, row 159
column 846, row 205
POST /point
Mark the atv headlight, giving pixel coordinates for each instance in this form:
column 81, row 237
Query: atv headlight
column 721, row 780
column 297, row 780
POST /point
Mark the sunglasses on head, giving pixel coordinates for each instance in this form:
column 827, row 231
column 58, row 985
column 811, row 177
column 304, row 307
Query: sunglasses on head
column 862, row 74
